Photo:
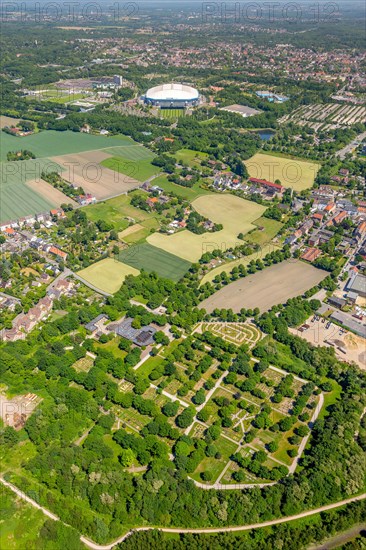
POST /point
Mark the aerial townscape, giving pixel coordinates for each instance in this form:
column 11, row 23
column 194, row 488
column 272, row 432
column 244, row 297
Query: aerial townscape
column 183, row 276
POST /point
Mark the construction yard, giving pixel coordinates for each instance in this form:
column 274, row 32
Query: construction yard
column 347, row 346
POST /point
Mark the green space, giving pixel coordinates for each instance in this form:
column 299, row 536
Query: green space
column 189, row 193
column 117, row 210
column 140, row 170
column 150, row 258
column 25, row 527
column 190, row 157
column 266, row 230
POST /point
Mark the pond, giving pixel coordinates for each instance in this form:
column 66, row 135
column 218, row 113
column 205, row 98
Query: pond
column 265, row 134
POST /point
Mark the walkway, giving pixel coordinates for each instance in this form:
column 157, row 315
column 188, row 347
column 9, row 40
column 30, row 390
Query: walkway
column 237, row 528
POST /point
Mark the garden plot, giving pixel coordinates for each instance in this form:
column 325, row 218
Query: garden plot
column 84, row 364
column 328, row 116
column 15, row 411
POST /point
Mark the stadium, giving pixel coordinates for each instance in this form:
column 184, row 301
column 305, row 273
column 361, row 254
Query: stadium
column 172, row 96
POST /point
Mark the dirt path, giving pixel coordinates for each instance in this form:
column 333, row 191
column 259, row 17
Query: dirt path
column 95, row 546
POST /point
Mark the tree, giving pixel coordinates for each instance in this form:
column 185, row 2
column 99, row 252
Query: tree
column 170, row 408
column 126, row 457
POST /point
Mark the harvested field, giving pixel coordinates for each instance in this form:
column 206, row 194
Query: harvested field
column 49, row 193
column 294, row 173
column 274, row 285
column 85, row 170
column 108, row 274
column 131, row 229
column 235, row 214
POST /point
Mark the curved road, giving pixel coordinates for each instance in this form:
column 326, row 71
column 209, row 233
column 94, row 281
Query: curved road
column 95, row 546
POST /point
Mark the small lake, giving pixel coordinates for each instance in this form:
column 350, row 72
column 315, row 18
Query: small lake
column 265, row 134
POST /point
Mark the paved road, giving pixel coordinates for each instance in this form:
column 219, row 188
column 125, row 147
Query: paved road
column 349, row 148
column 95, row 546
column 96, row 289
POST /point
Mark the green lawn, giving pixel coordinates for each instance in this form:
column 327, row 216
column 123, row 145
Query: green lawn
column 148, row 366
column 213, row 465
column 267, row 229
column 151, row 258
column 189, row 193
column 116, row 211
column 140, row 170
column 190, row 157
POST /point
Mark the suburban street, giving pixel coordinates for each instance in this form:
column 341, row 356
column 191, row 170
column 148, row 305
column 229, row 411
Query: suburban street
column 349, row 148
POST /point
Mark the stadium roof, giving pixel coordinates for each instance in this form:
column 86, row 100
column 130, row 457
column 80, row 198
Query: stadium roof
column 172, row 91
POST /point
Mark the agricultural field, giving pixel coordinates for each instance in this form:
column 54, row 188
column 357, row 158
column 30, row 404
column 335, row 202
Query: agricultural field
column 148, row 257
column 22, row 191
column 8, row 121
column 17, row 198
column 235, row 214
column 44, row 144
column 107, row 275
column 294, row 173
column 326, row 117
column 274, row 285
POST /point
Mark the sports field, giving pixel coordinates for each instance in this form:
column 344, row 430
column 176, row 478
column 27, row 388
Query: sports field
column 172, row 113
column 150, row 258
column 235, row 214
column 297, row 174
column 274, row 285
column 108, row 274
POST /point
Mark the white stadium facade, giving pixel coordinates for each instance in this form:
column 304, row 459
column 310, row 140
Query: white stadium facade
column 172, row 96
